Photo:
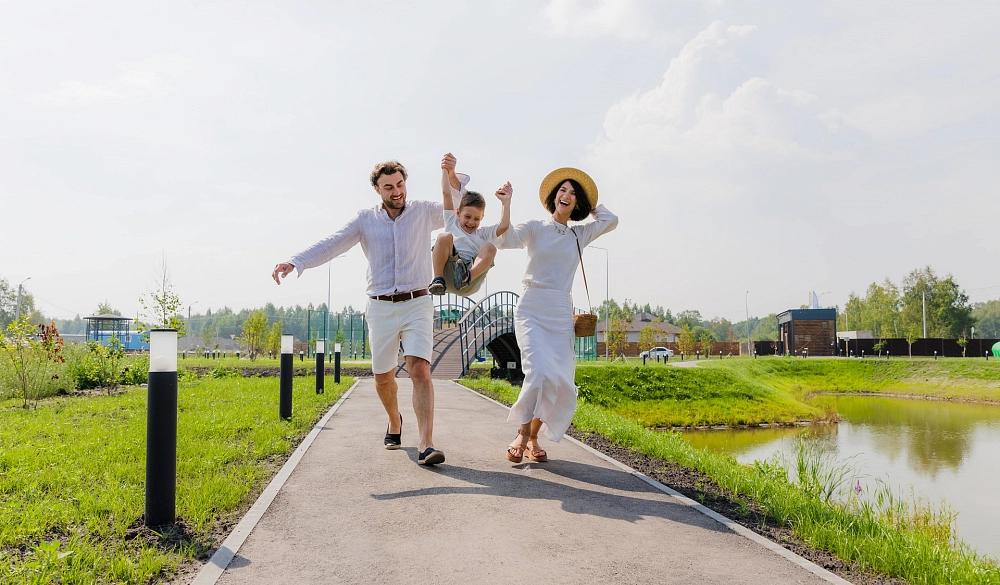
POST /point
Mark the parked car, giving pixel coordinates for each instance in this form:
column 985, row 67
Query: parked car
column 656, row 352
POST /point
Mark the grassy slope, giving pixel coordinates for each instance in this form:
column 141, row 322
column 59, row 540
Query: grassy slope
column 966, row 379
column 72, row 475
column 666, row 396
column 883, row 543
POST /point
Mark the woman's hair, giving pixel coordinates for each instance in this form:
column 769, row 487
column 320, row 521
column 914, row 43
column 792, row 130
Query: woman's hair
column 473, row 199
column 390, row 167
column 583, row 207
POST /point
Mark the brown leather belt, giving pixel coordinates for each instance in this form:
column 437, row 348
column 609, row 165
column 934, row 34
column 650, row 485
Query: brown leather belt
column 400, row 297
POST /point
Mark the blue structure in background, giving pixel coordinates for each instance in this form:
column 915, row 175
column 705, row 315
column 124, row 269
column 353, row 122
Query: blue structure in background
column 101, row 328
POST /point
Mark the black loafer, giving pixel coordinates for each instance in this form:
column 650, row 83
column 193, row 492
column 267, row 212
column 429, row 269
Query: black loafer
column 430, row 456
column 394, row 441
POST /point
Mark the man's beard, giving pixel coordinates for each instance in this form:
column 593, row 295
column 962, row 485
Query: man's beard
column 390, row 204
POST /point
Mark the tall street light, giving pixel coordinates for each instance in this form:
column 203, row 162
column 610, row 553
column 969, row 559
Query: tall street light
column 189, row 315
column 607, row 296
column 17, row 313
column 746, row 305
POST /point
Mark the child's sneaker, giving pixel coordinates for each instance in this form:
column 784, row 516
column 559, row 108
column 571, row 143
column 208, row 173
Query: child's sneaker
column 462, row 276
column 437, row 286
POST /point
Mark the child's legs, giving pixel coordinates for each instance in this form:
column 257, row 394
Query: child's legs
column 443, row 246
column 483, row 260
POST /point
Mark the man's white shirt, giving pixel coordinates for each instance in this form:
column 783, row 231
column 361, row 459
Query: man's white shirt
column 398, row 252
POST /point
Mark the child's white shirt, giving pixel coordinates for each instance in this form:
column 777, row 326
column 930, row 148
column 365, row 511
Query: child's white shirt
column 468, row 245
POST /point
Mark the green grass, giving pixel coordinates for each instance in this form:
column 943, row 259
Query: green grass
column 72, row 475
column 684, row 397
column 948, row 378
column 894, row 538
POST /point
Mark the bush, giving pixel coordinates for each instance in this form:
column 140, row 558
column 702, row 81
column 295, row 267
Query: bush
column 107, row 366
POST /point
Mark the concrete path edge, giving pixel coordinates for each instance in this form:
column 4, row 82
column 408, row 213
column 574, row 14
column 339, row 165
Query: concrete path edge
column 728, row 523
column 216, row 565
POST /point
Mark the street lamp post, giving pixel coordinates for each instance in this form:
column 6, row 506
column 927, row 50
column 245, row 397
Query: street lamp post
column 607, row 296
column 17, row 312
column 189, row 316
column 746, row 305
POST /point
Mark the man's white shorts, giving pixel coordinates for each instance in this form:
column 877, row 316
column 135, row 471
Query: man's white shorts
column 411, row 321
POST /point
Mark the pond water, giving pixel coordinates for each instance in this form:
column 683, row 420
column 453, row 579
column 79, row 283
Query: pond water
column 945, row 451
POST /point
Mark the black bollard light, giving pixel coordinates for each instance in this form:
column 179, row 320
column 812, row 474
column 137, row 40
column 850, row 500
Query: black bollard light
column 161, row 428
column 302, row 356
column 720, row 355
column 697, row 355
column 336, row 363
column 285, row 383
column 935, row 354
column 320, row 370
column 643, row 360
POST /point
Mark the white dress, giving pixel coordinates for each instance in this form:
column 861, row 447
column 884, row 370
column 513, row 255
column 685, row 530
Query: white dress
column 543, row 319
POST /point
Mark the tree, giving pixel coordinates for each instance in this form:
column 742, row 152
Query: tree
column 686, row 340
column 161, row 306
column 707, row 339
column 30, row 351
column 648, row 337
column 911, row 336
column 274, row 338
column 963, row 342
column 877, row 311
column 8, row 304
column 254, row 333
column 948, row 310
column 207, row 334
column 617, row 335
column 105, row 308
column 987, row 316
column 690, row 318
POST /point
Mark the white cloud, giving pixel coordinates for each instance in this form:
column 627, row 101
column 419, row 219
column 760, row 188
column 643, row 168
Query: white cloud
column 906, row 115
column 583, row 18
column 131, row 88
column 708, row 115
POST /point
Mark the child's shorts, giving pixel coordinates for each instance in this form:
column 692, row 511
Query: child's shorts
column 449, row 276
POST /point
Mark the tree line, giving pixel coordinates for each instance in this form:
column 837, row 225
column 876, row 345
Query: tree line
column 901, row 311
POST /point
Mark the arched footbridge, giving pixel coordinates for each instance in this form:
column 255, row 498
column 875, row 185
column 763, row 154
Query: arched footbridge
column 466, row 332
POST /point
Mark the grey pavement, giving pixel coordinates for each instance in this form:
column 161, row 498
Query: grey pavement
column 352, row 512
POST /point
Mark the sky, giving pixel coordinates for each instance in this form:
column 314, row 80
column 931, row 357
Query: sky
column 753, row 151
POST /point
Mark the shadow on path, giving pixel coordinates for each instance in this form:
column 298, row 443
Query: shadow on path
column 530, row 484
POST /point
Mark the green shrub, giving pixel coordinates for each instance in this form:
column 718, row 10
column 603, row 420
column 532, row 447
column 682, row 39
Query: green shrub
column 106, row 366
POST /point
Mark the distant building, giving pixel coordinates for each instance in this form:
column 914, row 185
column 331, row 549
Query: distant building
column 812, row 330
column 102, row 328
column 854, row 335
column 668, row 332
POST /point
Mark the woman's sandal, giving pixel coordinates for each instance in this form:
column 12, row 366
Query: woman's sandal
column 516, row 454
column 537, row 455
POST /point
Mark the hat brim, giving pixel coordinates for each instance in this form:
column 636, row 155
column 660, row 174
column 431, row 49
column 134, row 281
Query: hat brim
column 558, row 176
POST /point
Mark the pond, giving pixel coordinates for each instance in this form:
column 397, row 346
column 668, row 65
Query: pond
column 946, row 451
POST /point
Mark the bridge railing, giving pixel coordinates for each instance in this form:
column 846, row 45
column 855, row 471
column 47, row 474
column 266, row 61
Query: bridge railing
column 449, row 310
column 484, row 322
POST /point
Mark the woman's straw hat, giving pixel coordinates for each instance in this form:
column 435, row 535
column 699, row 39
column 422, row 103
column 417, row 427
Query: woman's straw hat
column 557, row 177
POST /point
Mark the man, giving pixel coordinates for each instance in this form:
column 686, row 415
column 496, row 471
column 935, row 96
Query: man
column 395, row 237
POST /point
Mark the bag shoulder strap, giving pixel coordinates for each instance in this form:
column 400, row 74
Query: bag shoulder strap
column 584, row 270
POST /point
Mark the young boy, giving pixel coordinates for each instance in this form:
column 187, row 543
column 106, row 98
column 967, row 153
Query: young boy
column 465, row 251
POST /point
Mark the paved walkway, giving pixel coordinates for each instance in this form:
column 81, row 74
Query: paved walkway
column 352, row 512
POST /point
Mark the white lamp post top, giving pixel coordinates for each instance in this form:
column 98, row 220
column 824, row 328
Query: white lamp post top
column 163, row 350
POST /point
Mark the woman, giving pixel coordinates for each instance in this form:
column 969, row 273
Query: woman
column 543, row 320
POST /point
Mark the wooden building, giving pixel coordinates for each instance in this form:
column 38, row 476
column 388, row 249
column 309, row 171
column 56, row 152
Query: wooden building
column 812, row 330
